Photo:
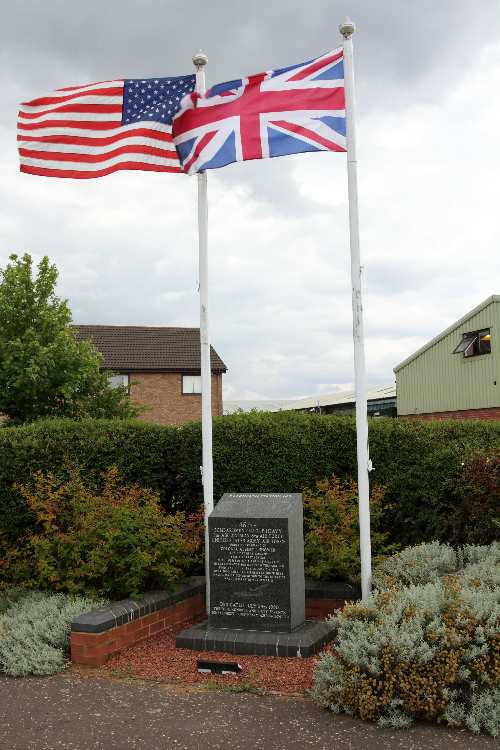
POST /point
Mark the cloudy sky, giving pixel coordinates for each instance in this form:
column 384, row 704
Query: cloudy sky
column 428, row 119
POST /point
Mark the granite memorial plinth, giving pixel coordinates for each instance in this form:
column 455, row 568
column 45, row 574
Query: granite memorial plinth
column 257, row 588
column 257, row 562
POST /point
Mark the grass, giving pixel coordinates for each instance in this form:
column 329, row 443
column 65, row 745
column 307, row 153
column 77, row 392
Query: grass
column 239, row 687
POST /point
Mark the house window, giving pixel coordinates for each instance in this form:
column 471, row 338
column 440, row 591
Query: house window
column 191, row 384
column 474, row 343
column 116, row 381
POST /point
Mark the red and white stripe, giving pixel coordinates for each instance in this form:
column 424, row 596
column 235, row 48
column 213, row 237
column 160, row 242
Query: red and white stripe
column 77, row 132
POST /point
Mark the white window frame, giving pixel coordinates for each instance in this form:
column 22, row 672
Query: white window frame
column 191, row 385
column 116, row 381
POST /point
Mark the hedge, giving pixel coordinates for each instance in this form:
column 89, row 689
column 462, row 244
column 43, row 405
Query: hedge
column 257, row 452
column 140, row 451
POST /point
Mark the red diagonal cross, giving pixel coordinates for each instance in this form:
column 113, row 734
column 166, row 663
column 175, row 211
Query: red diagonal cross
column 254, row 102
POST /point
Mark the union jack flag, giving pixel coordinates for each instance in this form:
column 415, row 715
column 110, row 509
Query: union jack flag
column 286, row 111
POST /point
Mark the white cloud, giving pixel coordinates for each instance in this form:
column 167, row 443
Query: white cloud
column 280, row 302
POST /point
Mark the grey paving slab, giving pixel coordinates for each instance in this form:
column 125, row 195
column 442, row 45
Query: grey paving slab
column 89, row 713
column 305, row 640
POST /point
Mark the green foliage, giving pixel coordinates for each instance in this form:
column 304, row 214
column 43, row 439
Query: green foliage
column 474, row 507
column 414, row 461
column 115, row 542
column 35, row 629
column 481, row 713
column 428, row 651
column 331, row 529
column 143, row 454
column 44, row 370
column 416, row 565
column 10, row 596
column 428, row 561
column 248, row 686
column 265, row 452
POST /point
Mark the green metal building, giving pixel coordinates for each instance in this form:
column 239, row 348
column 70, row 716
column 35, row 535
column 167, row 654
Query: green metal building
column 457, row 373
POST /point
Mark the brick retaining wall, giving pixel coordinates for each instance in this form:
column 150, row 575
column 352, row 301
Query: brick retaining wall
column 98, row 635
column 324, row 597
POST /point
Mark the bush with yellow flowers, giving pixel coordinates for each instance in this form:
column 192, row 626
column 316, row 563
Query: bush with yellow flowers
column 429, row 650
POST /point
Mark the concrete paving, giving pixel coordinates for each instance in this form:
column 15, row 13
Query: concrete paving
column 78, row 712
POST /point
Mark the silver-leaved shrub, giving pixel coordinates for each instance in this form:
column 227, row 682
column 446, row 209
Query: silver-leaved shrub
column 426, row 645
column 414, row 565
column 35, row 629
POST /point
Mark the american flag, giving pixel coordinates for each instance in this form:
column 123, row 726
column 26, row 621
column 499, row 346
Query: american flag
column 286, row 111
column 94, row 130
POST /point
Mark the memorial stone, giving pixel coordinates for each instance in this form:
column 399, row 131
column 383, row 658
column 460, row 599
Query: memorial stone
column 257, row 562
column 257, row 587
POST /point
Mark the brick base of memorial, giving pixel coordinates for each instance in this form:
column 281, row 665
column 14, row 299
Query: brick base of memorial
column 98, row 635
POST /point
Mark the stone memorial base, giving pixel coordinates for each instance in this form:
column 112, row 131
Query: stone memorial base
column 305, row 640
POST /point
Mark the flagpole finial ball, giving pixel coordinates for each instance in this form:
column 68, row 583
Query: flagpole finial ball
column 347, row 28
column 200, row 59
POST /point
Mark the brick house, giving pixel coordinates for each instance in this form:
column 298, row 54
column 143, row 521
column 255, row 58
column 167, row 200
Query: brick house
column 160, row 366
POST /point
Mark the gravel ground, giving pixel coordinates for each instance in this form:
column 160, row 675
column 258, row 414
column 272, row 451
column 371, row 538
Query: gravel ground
column 80, row 712
column 158, row 658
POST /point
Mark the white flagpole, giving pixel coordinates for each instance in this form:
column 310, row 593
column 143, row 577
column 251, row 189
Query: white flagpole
column 200, row 60
column 347, row 29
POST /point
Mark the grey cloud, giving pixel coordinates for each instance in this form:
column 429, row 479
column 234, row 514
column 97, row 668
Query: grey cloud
column 127, row 38
column 279, row 258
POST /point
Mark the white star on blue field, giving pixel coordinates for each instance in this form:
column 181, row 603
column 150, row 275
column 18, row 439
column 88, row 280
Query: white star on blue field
column 154, row 98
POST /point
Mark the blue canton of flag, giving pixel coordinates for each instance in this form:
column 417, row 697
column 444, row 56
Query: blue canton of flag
column 287, row 111
column 94, row 130
column 154, row 98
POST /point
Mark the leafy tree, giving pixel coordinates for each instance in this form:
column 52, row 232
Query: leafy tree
column 44, row 370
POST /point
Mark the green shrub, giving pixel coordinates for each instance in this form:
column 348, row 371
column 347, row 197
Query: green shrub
column 35, row 629
column 422, row 563
column 115, row 542
column 474, row 507
column 259, row 452
column 9, row 596
column 428, row 561
column 331, row 529
column 416, row 460
column 472, row 554
column 428, row 651
column 142, row 453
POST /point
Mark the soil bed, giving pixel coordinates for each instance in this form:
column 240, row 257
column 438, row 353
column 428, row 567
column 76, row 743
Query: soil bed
column 159, row 659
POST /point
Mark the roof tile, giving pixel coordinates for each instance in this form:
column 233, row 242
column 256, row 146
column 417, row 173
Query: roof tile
column 143, row 348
